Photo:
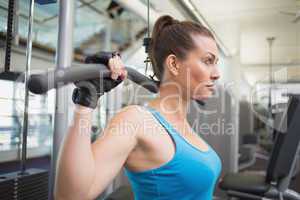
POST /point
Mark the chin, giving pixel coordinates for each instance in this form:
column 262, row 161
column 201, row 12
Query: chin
column 201, row 97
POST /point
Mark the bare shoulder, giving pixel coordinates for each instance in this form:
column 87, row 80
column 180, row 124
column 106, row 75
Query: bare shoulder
column 122, row 130
column 132, row 113
column 130, row 118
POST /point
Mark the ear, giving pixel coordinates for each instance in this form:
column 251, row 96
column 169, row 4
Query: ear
column 172, row 64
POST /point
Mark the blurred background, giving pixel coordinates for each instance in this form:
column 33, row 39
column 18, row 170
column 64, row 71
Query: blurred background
column 259, row 46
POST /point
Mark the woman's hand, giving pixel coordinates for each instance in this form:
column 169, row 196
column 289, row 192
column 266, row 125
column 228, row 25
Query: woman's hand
column 117, row 68
column 89, row 91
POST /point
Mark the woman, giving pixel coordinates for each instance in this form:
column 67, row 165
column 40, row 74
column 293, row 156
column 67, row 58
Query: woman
column 162, row 156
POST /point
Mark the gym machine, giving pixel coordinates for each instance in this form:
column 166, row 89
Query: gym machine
column 274, row 184
column 24, row 184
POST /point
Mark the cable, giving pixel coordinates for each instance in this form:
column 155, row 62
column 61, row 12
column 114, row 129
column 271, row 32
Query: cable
column 148, row 17
column 147, row 40
column 27, row 75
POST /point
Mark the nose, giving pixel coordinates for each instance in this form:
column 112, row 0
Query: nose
column 215, row 73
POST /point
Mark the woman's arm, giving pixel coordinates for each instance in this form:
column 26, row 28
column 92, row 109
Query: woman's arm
column 86, row 169
column 76, row 163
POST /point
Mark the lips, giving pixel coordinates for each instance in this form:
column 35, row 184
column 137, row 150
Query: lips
column 210, row 84
column 211, row 87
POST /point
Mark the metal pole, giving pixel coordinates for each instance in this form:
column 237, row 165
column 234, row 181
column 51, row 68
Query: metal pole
column 27, row 74
column 16, row 23
column 64, row 57
column 270, row 41
column 109, row 97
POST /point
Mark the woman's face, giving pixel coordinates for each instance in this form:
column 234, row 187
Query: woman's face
column 198, row 71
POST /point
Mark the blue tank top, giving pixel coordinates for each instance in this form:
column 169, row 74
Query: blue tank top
column 190, row 175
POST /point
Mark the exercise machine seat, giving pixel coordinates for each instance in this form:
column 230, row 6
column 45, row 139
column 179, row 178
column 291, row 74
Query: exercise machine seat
column 245, row 182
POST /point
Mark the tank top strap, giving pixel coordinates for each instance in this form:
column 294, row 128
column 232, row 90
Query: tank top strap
column 162, row 120
column 170, row 130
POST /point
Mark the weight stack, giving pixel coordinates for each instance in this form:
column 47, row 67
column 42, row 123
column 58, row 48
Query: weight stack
column 31, row 185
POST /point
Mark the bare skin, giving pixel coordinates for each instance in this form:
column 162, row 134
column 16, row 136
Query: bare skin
column 183, row 81
column 133, row 138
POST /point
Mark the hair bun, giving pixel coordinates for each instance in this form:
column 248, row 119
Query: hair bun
column 163, row 22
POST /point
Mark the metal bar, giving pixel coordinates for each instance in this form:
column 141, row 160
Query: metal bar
column 270, row 42
column 27, row 74
column 91, row 7
column 148, row 18
column 83, row 5
column 232, row 193
column 41, row 83
column 64, row 59
column 16, row 23
column 48, row 19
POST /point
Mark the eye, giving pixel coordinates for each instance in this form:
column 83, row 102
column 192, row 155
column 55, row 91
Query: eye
column 208, row 61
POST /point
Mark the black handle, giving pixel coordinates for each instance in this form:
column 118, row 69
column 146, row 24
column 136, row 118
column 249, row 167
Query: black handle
column 41, row 83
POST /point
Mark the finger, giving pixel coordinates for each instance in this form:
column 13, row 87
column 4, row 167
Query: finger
column 114, row 70
column 119, row 65
column 121, row 68
column 111, row 66
column 124, row 74
column 110, row 63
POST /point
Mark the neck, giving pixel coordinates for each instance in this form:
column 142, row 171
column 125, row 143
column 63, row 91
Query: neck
column 171, row 101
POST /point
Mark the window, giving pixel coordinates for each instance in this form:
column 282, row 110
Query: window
column 11, row 120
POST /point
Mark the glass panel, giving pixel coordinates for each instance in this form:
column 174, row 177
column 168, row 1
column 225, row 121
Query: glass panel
column 91, row 19
column 45, row 21
column 94, row 20
column 11, row 117
column 92, row 25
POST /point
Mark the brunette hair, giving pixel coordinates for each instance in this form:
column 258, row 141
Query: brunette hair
column 170, row 36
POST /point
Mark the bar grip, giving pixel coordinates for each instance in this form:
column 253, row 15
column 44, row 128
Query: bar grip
column 41, row 83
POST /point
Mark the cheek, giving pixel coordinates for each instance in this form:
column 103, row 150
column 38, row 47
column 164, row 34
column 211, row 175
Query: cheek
column 199, row 75
column 193, row 77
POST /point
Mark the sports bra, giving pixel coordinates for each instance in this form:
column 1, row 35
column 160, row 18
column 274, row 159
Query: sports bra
column 190, row 175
